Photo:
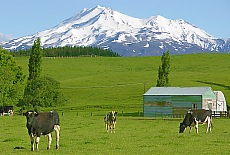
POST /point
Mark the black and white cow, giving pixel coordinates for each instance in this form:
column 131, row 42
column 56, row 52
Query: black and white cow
column 195, row 117
column 6, row 110
column 110, row 121
column 42, row 123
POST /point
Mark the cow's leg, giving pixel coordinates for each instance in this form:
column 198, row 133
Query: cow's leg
column 208, row 125
column 114, row 128
column 37, row 142
column 57, row 131
column 190, row 129
column 32, row 142
column 106, row 127
column 206, row 120
column 111, row 128
column 196, row 126
column 49, row 140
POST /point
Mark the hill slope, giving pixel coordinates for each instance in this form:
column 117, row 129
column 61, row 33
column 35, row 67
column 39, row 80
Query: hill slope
column 104, row 83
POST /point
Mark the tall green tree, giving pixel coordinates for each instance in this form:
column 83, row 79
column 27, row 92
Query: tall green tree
column 163, row 71
column 30, row 99
column 40, row 91
column 35, row 60
column 11, row 79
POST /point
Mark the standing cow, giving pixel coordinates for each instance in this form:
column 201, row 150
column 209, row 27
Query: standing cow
column 195, row 117
column 42, row 123
column 6, row 110
column 110, row 121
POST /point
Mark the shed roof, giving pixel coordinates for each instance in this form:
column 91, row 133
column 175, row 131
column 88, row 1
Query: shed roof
column 204, row 91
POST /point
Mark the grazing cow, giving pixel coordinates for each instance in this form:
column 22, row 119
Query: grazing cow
column 6, row 110
column 110, row 121
column 195, row 117
column 42, row 123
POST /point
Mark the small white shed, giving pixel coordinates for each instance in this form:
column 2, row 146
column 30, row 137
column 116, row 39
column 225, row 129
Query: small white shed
column 220, row 105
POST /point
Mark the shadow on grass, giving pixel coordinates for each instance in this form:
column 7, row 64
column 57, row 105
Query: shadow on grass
column 215, row 84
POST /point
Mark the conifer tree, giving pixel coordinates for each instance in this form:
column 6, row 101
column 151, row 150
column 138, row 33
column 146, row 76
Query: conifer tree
column 35, row 60
column 163, row 71
column 31, row 99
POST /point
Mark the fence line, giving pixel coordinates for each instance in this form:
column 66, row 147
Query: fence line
column 224, row 114
column 118, row 85
column 141, row 114
column 218, row 114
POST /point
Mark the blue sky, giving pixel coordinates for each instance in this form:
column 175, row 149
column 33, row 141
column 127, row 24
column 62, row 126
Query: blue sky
column 25, row 17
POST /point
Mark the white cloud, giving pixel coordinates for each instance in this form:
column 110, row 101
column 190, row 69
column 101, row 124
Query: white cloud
column 5, row 37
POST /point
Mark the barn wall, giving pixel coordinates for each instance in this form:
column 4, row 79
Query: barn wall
column 157, row 105
column 219, row 105
column 207, row 103
column 169, row 105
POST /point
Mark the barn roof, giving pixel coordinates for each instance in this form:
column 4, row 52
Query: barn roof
column 204, row 91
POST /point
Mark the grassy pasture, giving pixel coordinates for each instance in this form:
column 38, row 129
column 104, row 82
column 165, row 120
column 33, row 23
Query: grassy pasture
column 134, row 135
column 98, row 85
column 104, row 83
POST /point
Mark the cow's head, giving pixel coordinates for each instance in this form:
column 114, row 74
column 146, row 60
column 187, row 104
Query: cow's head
column 182, row 128
column 30, row 115
column 113, row 115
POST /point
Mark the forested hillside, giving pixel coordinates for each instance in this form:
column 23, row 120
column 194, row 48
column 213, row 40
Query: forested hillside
column 68, row 51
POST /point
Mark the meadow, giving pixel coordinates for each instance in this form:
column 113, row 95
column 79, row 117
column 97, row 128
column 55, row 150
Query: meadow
column 97, row 85
column 134, row 135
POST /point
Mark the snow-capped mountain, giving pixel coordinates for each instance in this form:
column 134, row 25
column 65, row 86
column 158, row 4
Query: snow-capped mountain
column 125, row 35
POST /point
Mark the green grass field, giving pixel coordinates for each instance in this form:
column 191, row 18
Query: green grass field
column 94, row 86
column 103, row 83
column 134, row 135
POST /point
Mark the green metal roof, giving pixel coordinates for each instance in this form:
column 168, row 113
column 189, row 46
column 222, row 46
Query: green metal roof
column 206, row 92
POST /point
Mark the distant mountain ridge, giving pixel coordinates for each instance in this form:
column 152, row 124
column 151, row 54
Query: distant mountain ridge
column 128, row 36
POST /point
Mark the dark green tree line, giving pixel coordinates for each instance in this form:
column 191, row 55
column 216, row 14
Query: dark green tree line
column 68, row 51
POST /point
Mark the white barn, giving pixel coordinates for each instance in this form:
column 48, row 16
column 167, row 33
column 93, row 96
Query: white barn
column 220, row 105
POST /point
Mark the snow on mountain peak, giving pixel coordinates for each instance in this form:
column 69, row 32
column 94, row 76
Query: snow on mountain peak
column 100, row 26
